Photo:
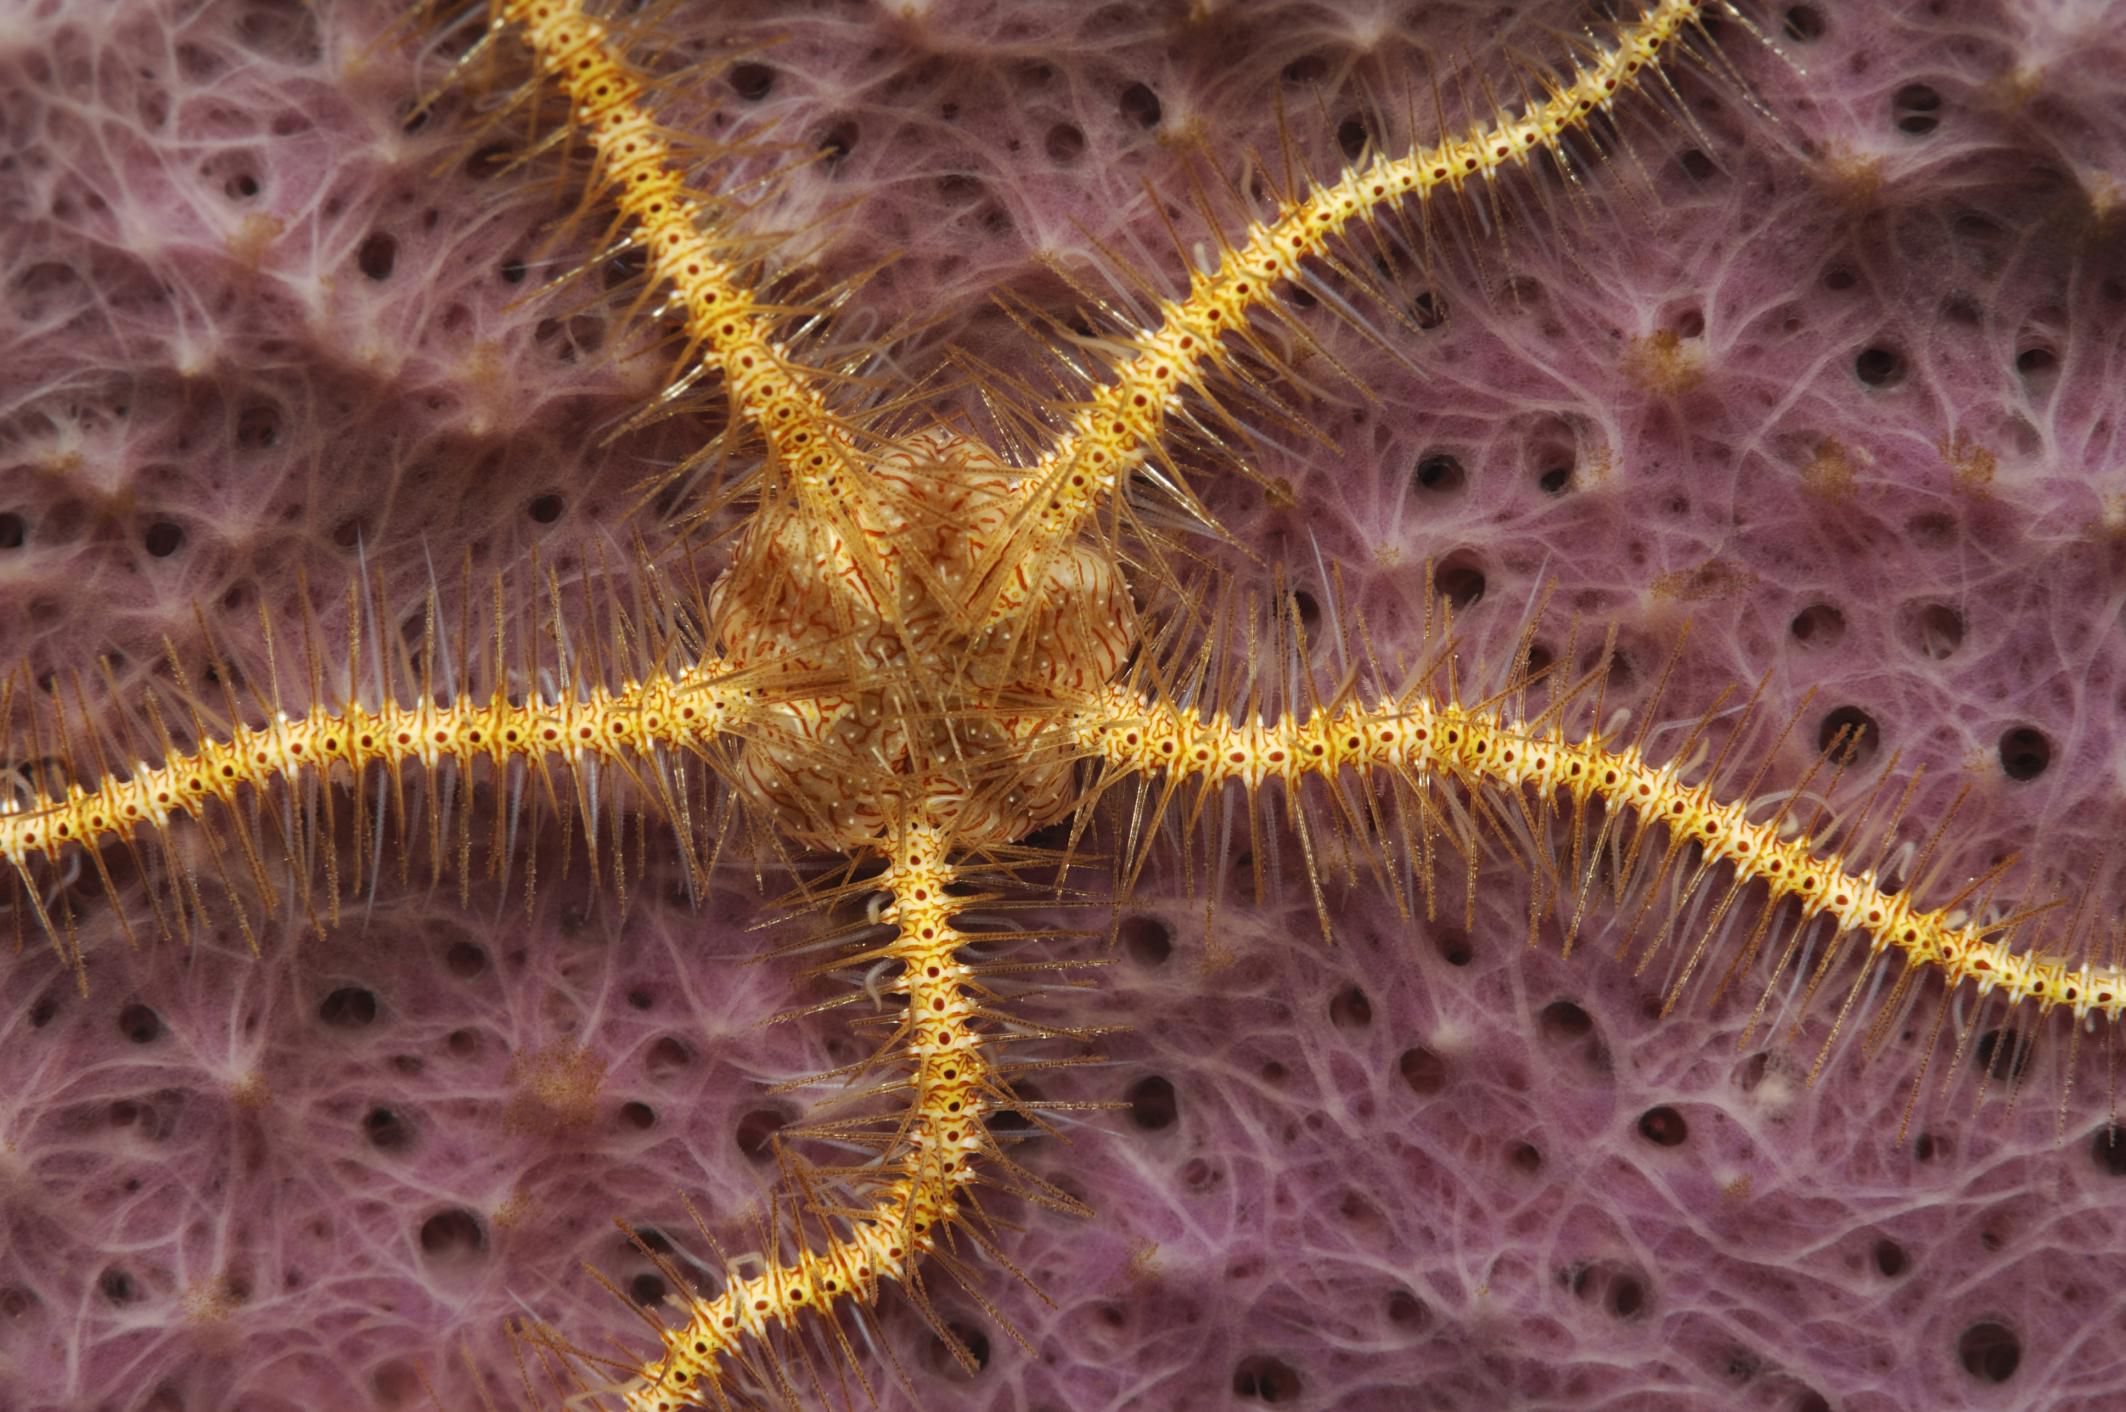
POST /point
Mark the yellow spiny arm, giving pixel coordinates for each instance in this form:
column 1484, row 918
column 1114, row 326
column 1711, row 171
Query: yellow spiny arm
column 1121, row 421
column 680, row 711
column 733, row 332
column 942, row 1046
column 1421, row 740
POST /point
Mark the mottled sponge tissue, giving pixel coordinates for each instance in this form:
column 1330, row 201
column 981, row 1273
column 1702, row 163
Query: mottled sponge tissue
column 1819, row 351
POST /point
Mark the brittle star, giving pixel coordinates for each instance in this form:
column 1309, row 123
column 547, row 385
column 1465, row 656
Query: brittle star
column 924, row 654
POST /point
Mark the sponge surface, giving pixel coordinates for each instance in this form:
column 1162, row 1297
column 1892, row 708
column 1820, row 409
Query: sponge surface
column 1829, row 367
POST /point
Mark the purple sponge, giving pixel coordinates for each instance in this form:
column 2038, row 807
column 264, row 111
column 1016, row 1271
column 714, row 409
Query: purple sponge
column 1823, row 359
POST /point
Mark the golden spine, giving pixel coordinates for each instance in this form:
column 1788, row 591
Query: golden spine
column 728, row 327
column 940, row 1043
column 683, row 710
column 1113, row 431
column 1421, row 740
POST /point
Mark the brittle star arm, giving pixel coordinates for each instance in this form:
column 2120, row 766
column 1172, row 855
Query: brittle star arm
column 933, row 1160
column 684, row 710
column 1120, row 423
column 1425, row 742
column 725, row 322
